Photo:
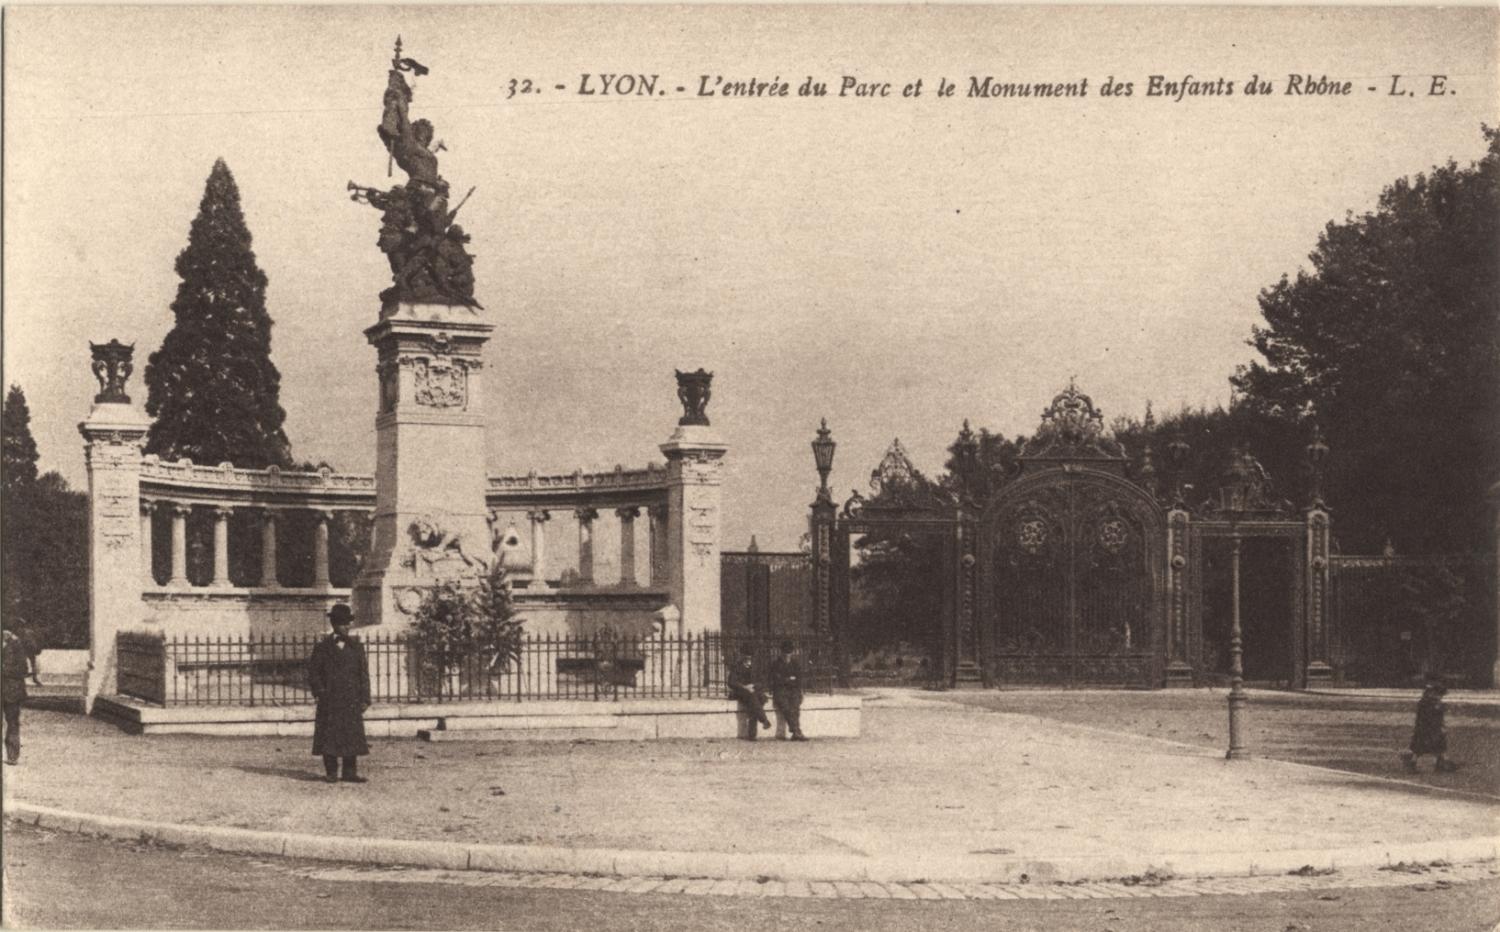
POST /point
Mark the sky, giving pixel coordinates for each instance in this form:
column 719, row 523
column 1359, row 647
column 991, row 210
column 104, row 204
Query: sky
column 894, row 264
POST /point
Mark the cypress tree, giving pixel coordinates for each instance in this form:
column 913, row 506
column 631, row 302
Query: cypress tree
column 18, row 456
column 212, row 387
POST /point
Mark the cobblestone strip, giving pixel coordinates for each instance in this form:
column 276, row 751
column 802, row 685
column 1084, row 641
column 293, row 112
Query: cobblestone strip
column 931, row 890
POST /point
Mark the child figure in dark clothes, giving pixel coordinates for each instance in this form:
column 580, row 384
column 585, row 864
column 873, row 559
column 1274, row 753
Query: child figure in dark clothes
column 1431, row 734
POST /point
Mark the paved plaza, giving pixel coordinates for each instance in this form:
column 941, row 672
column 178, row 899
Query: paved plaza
column 950, row 790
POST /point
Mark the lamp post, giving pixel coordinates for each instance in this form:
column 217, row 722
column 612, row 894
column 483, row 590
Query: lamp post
column 1233, row 498
column 823, row 449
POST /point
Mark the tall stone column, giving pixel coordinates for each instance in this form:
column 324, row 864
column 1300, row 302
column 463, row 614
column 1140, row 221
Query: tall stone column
column 627, row 544
column 221, row 547
column 694, row 521
column 538, row 518
column 180, row 514
column 113, row 436
column 268, row 577
column 656, row 542
column 430, row 474
column 148, row 568
column 586, row 518
column 320, row 549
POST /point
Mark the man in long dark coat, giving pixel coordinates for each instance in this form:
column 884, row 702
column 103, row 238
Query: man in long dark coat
column 787, row 674
column 340, row 680
column 19, row 663
column 1430, row 735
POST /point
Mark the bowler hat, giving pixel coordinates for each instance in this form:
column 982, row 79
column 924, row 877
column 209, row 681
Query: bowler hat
column 340, row 614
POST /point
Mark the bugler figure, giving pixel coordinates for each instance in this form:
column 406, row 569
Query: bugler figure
column 429, row 261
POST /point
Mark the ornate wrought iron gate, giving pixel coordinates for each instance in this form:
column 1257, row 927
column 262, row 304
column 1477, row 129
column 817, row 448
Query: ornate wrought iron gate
column 1071, row 582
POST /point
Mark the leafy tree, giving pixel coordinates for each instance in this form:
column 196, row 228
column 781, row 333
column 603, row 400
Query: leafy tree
column 1393, row 338
column 992, row 464
column 18, row 456
column 212, row 387
column 467, row 626
column 1211, row 435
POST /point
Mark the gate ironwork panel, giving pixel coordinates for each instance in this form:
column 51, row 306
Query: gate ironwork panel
column 1072, row 584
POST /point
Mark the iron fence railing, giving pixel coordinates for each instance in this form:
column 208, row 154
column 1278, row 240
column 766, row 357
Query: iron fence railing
column 271, row 670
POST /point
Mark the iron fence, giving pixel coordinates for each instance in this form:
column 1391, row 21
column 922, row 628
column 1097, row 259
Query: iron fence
column 271, row 670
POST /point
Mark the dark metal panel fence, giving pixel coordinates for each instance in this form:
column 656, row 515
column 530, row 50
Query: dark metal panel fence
column 272, row 670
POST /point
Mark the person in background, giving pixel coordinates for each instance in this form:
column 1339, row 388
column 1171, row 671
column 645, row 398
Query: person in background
column 340, row 680
column 17, row 664
column 786, row 691
column 1430, row 736
column 743, row 690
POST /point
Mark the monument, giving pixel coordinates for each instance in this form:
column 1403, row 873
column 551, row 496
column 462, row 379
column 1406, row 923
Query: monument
column 431, row 522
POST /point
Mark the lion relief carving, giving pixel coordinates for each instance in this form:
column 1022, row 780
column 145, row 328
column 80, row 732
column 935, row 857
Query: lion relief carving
column 434, row 542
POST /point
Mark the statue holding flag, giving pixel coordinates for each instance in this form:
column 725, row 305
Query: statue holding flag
column 429, row 261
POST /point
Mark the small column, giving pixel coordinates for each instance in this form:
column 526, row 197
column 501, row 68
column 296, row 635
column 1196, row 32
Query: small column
column 627, row 544
column 656, row 542
column 320, row 548
column 586, row 517
column 221, row 547
column 538, row 518
column 268, row 578
column 180, row 514
column 147, row 567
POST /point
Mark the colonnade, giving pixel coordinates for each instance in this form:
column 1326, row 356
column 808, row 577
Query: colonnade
column 178, row 576
column 587, row 517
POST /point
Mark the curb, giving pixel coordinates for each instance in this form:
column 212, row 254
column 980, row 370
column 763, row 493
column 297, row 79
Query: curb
column 726, row 866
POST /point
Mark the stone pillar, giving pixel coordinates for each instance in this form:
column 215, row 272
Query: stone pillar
column 656, row 542
column 113, row 436
column 538, row 518
column 694, row 523
column 320, row 549
column 268, row 576
column 148, row 568
column 430, row 475
column 221, row 547
column 586, row 517
column 627, row 544
column 180, row 514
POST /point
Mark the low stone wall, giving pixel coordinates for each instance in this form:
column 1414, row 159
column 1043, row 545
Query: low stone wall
column 238, row 613
column 644, row 720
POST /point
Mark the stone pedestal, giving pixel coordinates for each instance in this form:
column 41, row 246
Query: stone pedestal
column 431, row 522
column 694, row 523
column 113, row 437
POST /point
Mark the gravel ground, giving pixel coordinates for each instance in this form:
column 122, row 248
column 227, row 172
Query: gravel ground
column 940, row 776
column 1353, row 734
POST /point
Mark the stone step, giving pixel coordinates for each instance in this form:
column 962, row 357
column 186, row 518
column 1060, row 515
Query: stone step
column 612, row 733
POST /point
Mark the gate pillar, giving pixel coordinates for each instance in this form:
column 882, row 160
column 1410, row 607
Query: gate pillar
column 1319, row 669
column 1179, row 671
